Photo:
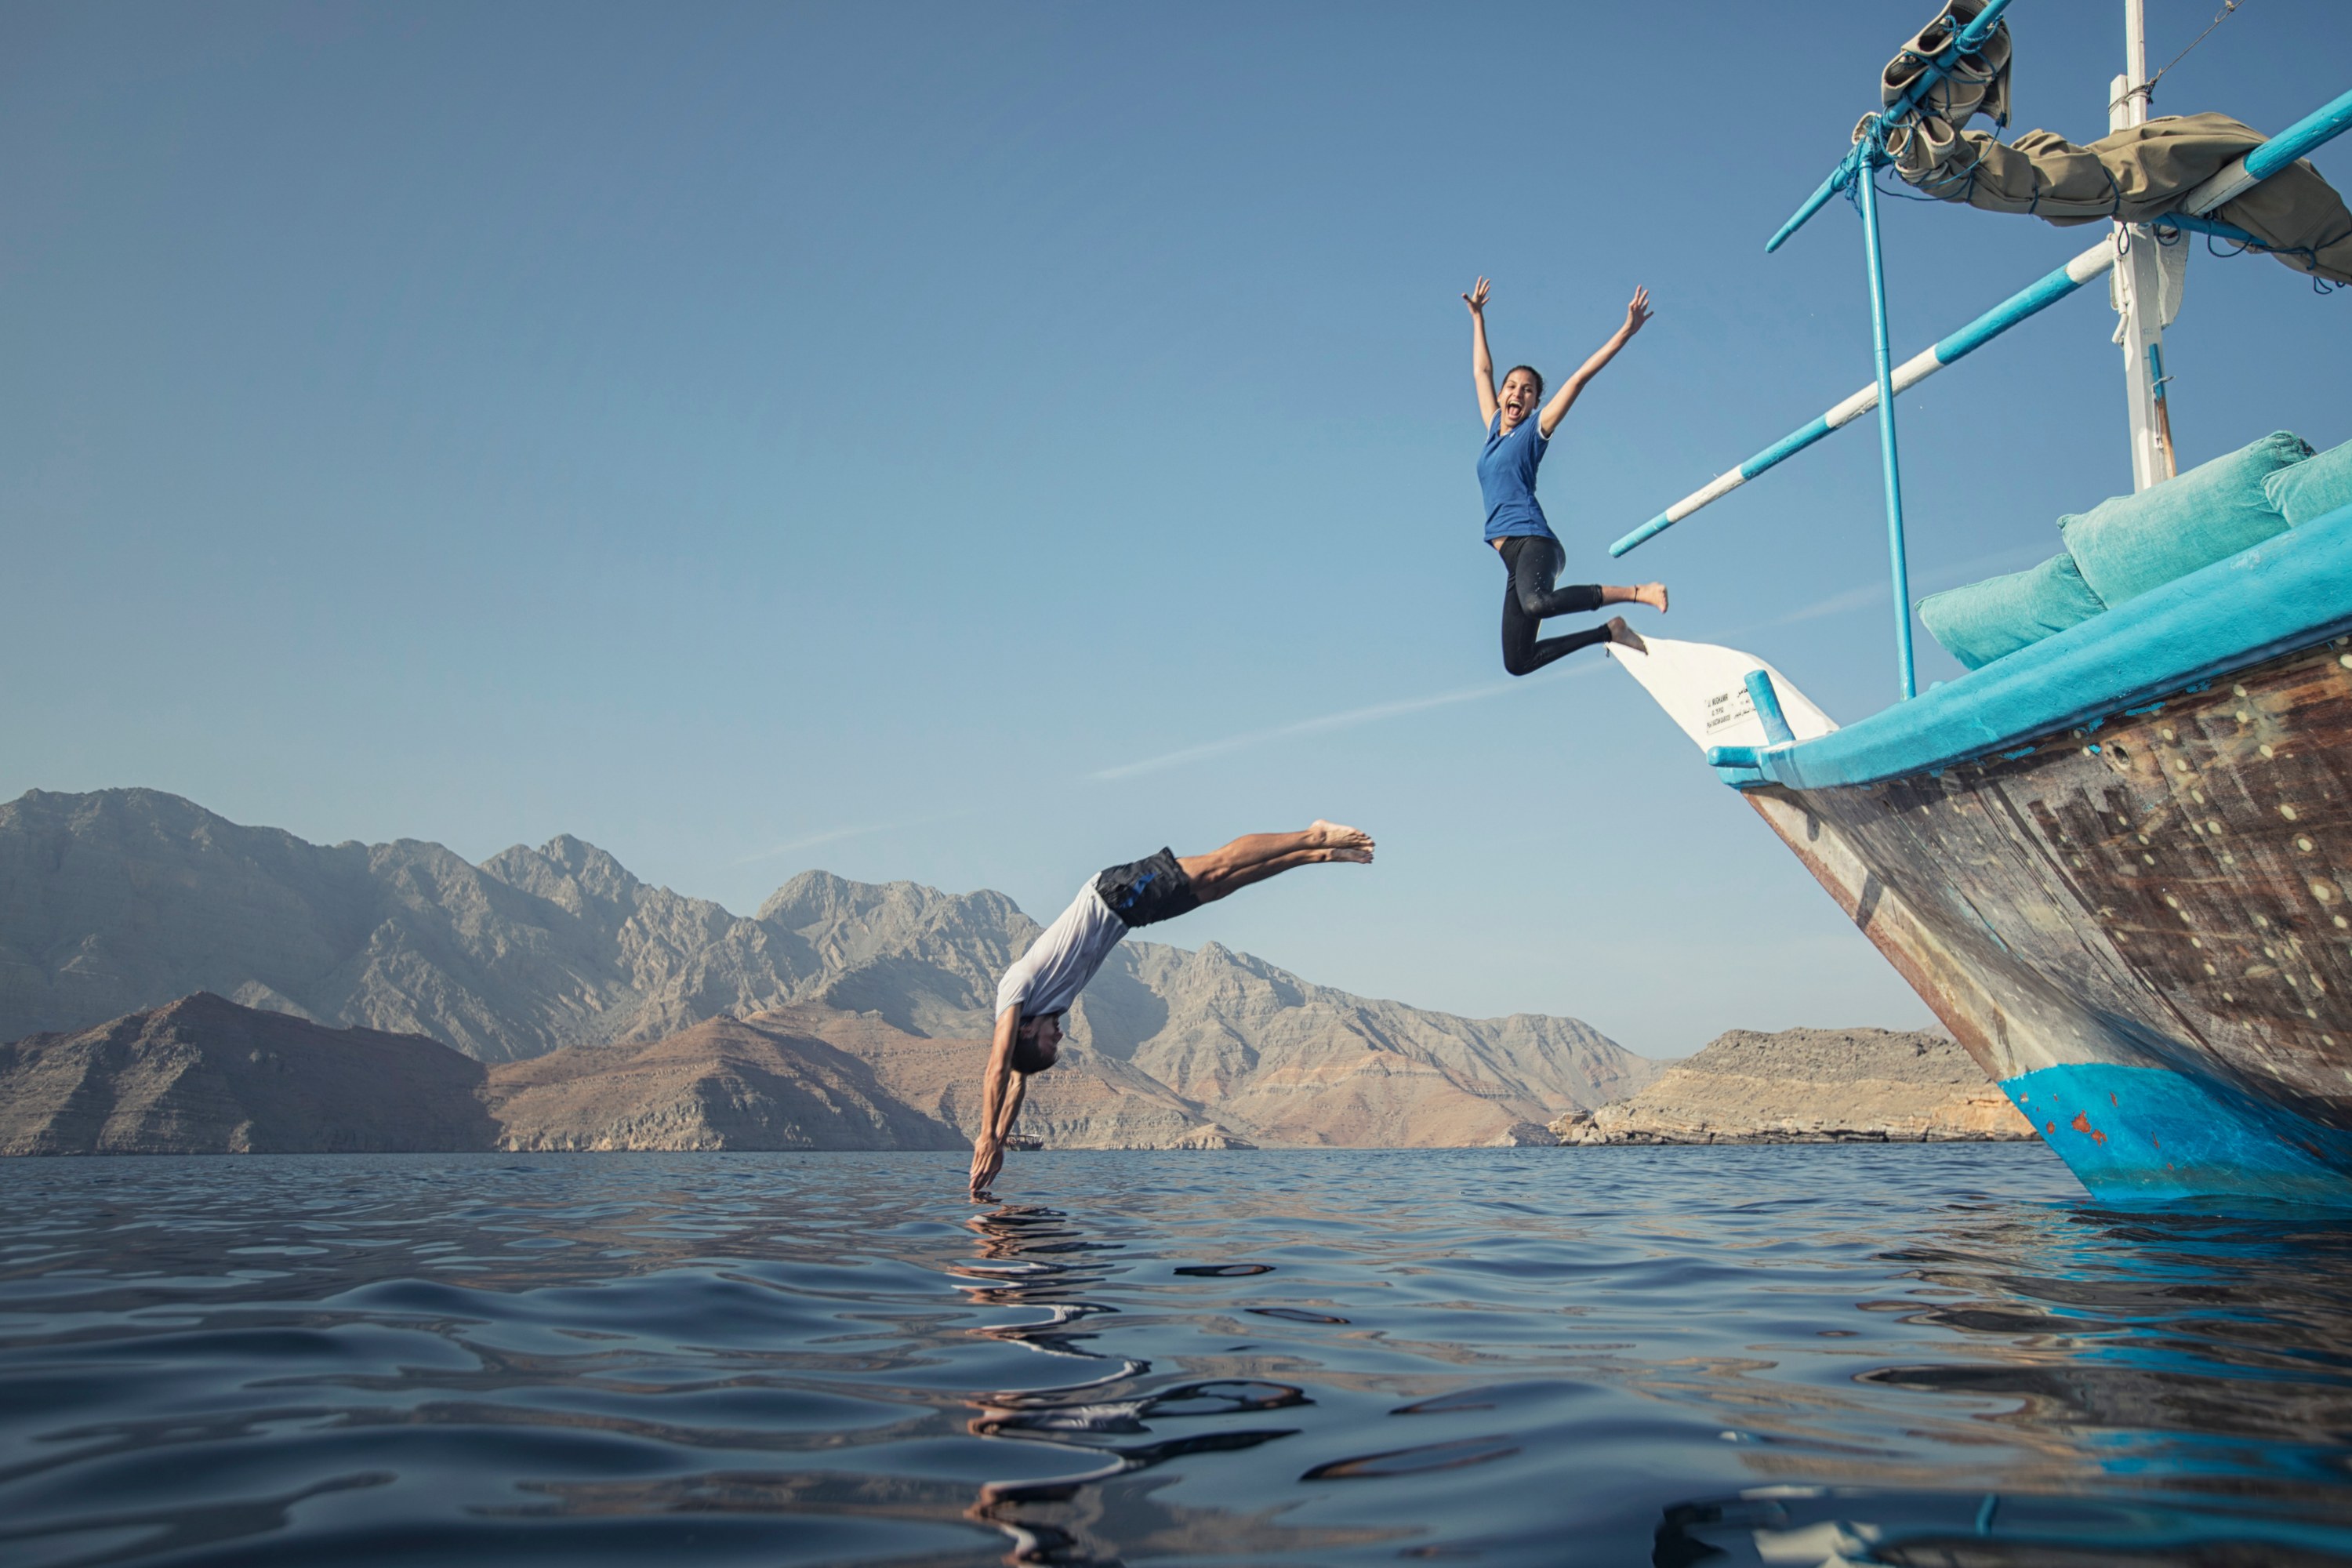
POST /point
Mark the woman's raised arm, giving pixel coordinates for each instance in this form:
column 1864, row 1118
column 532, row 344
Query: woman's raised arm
column 1637, row 314
column 1482, row 363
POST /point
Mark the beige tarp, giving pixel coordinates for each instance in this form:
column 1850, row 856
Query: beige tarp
column 2136, row 174
column 1977, row 84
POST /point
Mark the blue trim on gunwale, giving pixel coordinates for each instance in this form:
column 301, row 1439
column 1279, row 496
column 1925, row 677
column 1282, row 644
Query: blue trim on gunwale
column 2288, row 591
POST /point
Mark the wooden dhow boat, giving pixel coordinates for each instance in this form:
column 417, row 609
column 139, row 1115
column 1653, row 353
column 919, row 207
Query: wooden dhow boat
column 2116, row 862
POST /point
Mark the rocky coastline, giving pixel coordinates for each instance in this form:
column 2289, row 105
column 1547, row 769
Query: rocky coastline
column 1809, row 1086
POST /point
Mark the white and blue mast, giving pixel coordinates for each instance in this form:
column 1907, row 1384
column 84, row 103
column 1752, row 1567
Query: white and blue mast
column 2137, row 281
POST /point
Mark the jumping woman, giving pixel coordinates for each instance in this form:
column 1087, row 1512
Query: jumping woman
column 1517, row 436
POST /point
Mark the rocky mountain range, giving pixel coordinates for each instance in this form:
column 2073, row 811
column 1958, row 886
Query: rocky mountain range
column 122, row 901
column 1810, row 1086
column 203, row 1075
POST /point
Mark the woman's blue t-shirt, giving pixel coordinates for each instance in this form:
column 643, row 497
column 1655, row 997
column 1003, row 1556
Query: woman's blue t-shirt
column 1506, row 476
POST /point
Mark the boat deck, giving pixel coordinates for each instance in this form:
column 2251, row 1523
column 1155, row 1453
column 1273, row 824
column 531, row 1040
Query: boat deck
column 2287, row 593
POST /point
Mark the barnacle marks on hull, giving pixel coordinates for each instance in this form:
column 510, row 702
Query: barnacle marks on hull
column 2142, row 929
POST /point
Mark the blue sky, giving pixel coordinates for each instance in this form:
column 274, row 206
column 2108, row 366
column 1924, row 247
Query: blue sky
column 976, row 444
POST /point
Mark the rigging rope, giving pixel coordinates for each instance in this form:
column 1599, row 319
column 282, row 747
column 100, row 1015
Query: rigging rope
column 2228, row 6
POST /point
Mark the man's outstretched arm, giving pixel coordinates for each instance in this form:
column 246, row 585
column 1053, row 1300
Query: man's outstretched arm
column 1010, row 1118
column 1637, row 315
column 996, row 1090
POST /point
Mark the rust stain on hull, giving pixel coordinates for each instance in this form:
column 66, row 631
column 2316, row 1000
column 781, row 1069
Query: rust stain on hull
column 2171, row 887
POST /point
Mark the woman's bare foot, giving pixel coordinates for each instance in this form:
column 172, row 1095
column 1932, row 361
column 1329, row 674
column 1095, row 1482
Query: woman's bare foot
column 1653, row 594
column 1344, row 843
column 1626, row 636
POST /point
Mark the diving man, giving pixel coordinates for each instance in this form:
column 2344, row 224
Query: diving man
column 1042, row 984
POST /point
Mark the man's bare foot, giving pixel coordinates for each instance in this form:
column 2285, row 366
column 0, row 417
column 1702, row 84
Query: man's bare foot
column 1653, row 594
column 1344, row 843
column 1624, row 636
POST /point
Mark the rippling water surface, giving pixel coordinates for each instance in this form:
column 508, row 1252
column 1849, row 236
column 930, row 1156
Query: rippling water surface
column 1787, row 1355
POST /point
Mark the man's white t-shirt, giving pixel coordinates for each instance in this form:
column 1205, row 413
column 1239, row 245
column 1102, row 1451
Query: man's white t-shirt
column 1049, row 977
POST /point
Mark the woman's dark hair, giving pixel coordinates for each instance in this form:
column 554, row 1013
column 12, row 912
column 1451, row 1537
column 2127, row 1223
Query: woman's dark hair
column 1533, row 374
column 1028, row 1055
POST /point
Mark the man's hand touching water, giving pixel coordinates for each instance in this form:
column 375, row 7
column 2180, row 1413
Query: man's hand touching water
column 987, row 1160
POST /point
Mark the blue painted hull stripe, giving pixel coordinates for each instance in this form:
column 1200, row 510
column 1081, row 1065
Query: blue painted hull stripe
column 2129, row 1130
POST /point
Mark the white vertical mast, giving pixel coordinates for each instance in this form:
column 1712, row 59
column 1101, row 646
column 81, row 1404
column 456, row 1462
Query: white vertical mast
column 2136, row 287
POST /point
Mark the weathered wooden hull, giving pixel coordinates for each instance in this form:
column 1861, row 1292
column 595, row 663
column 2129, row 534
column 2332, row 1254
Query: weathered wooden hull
column 2141, row 929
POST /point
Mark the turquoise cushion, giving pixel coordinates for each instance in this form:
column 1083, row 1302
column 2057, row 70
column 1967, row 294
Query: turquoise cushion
column 2313, row 488
column 2128, row 544
column 1979, row 623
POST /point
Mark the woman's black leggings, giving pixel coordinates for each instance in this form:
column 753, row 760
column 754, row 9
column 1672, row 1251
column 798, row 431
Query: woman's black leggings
column 1528, row 596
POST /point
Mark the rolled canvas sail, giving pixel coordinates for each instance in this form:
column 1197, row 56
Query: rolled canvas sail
column 2135, row 175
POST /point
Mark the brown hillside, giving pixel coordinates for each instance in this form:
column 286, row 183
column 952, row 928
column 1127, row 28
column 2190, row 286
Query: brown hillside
column 728, row 1083
column 205, row 1075
column 1810, row 1086
column 1088, row 1100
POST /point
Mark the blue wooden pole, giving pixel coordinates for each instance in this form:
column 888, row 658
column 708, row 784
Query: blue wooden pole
column 1828, row 187
column 2316, row 129
column 1969, row 40
column 2026, row 303
column 1867, row 185
column 1766, row 699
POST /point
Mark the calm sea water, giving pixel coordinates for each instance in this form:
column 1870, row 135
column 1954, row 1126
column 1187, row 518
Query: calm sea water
column 1787, row 1355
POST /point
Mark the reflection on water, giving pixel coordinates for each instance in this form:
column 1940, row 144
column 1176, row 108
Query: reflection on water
column 1897, row 1355
column 1026, row 1258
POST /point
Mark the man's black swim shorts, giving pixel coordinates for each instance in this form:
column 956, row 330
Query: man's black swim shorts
column 1148, row 890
